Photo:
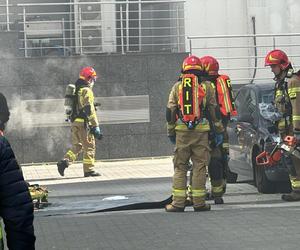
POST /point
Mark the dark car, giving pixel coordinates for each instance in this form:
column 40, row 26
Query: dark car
column 251, row 132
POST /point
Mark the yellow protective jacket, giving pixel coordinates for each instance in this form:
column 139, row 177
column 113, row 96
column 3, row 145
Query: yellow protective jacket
column 86, row 102
column 287, row 101
column 294, row 94
column 209, row 103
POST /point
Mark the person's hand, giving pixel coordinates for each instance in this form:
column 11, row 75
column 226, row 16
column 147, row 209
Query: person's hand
column 96, row 131
column 219, row 138
column 172, row 139
column 226, row 157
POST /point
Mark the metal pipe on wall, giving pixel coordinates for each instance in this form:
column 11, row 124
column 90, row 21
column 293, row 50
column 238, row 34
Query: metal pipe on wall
column 255, row 50
column 7, row 15
column 122, row 31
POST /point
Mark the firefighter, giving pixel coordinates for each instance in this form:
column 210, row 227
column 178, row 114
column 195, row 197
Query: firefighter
column 189, row 101
column 287, row 101
column 218, row 167
column 85, row 126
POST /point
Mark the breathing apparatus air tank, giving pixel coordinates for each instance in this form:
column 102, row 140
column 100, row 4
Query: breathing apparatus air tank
column 69, row 100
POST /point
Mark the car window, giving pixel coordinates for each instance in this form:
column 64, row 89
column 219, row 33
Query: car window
column 253, row 107
column 253, row 97
column 246, row 104
column 266, row 96
column 242, row 102
column 266, row 106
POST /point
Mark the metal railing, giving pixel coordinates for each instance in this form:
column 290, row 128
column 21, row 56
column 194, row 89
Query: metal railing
column 5, row 15
column 242, row 56
column 110, row 26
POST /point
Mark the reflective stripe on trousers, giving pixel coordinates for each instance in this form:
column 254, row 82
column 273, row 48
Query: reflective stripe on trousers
column 179, row 192
column 89, row 161
column 71, row 155
column 201, row 193
column 217, row 190
column 295, row 183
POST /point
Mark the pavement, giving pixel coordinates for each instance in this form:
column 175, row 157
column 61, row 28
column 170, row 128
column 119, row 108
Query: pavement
column 46, row 174
column 247, row 220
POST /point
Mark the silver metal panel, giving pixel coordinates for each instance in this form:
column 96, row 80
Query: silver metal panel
column 113, row 110
column 44, row 29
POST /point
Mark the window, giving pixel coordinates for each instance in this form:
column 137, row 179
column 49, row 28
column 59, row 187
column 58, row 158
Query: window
column 240, row 103
column 266, row 96
column 252, row 107
column 246, row 104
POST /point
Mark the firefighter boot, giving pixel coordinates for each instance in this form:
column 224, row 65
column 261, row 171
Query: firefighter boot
column 293, row 196
column 172, row 208
column 61, row 166
column 218, row 200
column 202, row 208
column 91, row 174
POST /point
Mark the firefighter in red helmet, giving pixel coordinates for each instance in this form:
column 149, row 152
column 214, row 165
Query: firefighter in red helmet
column 190, row 100
column 287, row 101
column 85, row 126
column 218, row 167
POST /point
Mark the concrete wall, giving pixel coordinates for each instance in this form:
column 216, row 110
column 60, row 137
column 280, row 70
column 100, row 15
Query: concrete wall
column 234, row 17
column 138, row 74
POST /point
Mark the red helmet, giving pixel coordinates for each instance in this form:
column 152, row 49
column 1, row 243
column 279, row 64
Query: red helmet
column 277, row 57
column 87, row 74
column 191, row 62
column 210, row 65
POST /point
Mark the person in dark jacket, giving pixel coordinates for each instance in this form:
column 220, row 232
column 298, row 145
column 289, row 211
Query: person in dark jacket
column 4, row 112
column 16, row 207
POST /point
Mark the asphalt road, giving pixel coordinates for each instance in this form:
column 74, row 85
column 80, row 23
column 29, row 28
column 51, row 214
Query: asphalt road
column 247, row 220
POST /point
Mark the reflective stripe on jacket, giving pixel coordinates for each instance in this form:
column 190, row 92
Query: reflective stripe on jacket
column 225, row 96
column 294, row 95
column 86, row 98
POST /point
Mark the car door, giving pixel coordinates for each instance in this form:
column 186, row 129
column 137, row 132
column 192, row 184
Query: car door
column 243, row 130
column 236, row 129
column 249, row 122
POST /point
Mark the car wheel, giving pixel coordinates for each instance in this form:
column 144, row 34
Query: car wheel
column 262, row 183
column 283, row 187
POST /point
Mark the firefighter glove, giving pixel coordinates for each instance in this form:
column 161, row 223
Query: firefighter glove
column 97, row 132
column 226, row 157
column 219, row 139
column 172, row 139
